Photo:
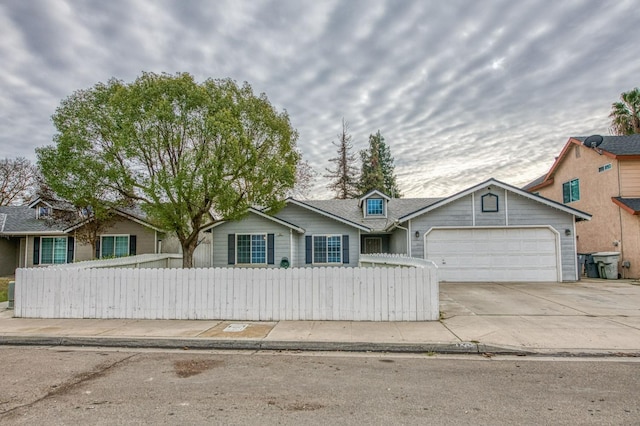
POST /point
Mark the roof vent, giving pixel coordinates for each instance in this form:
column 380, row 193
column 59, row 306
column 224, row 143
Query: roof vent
column 592, row 141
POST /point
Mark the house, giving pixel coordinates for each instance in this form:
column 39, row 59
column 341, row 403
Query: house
column 600, row 174
column 28, row 239
column 489, row 232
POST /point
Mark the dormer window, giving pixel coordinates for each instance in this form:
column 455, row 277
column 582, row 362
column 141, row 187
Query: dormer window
column 43, row 212
column 375, row 207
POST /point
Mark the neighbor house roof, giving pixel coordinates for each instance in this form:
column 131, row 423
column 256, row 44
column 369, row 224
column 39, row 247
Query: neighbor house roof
column 21, row 220
column 619, row 147
column 631, row 205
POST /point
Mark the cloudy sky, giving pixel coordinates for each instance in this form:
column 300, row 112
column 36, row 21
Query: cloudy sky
column 461, row 90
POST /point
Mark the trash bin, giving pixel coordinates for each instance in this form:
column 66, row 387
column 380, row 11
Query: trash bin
column 607, row 262
column 590, row 266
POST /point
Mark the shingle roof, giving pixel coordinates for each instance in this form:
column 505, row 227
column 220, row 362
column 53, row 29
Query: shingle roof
column 349, row 210
column 22, row 219
column 632, row 203
column 618, row 145
column 534, row 182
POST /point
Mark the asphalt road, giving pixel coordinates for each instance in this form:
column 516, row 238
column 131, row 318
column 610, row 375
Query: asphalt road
column 57, row 386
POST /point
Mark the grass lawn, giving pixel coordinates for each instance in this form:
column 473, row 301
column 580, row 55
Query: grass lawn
column 4, row 288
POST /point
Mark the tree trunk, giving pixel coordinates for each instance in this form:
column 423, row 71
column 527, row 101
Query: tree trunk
column 188, row 248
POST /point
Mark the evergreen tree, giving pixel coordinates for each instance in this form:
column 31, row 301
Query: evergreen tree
column 344, row 176
column 378, row 168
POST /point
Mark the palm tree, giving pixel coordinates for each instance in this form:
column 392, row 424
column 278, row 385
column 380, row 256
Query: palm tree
column 625, row 115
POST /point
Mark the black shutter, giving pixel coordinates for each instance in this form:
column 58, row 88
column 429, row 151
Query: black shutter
column 70, row 249
column 36, row 250
column 132, row 245
column 308, row 248
column 345, row 249
column 98, row 248
column 231, row 249
column 270, row 249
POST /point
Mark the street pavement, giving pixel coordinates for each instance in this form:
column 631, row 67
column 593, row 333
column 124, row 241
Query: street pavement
column 590, row 317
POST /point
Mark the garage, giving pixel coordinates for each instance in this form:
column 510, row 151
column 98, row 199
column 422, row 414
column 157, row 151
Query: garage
column 500, row 254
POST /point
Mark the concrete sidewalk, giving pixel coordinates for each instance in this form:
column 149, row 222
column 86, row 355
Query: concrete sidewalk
column 594, row 317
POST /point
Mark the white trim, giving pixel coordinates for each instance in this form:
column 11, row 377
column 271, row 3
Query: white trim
column 365, row 209
column 371, row 193
column 53, row 254
column 506, row 208
column 329, row 215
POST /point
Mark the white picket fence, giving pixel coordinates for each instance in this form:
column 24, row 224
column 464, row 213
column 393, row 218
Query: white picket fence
column 259, row 294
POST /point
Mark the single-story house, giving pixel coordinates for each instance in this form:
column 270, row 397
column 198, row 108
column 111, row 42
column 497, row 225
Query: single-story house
column 28, row 238
column 491, row 231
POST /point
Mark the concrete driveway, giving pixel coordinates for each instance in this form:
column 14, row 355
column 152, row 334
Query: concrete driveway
column 587, row 315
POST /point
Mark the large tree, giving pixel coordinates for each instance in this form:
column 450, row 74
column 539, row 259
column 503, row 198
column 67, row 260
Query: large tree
column 625, row 115
column 378, row 170
column 186, row 152
column 344, row 177
column 17, row 180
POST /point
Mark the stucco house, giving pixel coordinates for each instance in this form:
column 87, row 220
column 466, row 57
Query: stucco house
column 491, row 231
column 28, row 239
column 600, row 174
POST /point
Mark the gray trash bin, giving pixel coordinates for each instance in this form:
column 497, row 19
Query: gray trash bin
column 590, row 266
column 11, row 294
column 607, row 262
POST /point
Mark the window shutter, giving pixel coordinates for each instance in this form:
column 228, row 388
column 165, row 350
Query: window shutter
column 132, row 245
column 70, row 250
column 36, row 250
column 231, row 249
column 308, row 248
column 98, row 248
column 270, row 249
column 345, row 249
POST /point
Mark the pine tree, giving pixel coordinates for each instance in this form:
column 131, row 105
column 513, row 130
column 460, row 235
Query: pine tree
column 344, row 176
column 378, row 168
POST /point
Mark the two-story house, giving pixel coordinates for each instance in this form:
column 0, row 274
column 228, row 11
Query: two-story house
column 601, row 175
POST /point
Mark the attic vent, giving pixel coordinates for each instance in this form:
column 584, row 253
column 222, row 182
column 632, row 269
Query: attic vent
column 592, row 141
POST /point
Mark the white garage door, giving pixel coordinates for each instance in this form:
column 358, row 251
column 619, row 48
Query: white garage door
column 493, row 254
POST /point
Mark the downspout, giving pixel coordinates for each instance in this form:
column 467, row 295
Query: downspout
column 408, row 238
column 290, row 247
column 620, row 217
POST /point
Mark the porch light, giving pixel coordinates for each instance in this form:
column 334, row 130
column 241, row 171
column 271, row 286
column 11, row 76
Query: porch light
column 417, row 234
column 567, row 232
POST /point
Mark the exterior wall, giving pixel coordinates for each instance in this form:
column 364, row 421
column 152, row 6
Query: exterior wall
column 398, row 242
column 251, row 224
column 8, row 255
column 631, row 243
column 605, row 229
column 513, row 210
column 317, row 224
column 145, row 239
column 630, row 178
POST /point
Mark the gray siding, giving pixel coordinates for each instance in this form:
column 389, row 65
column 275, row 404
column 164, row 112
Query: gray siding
column 398, row 242
column 251, row 224
column 317, row 224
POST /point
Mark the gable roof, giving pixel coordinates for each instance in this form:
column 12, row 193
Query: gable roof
column 373, row 192
column 493, row 182
column 625, row 147
column 266, row 216
column 349, row 211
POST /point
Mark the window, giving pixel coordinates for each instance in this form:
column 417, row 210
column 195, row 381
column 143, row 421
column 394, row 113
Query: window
column 489, row 203
column 604, row 168
column 43, row 212
column 571, row 191
column 327, row 248
column 375, row 207
column 251, row 248
column 53, row 250
column 114, row 246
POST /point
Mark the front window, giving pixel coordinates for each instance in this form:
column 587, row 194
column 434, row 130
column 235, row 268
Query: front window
column 53, row 250
column 251, row 248
column 571, row 191
column 114, row 246
column 375, row 207
column 327, row 249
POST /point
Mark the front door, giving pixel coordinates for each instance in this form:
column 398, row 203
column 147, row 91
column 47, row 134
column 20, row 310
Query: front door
column 372, row 245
